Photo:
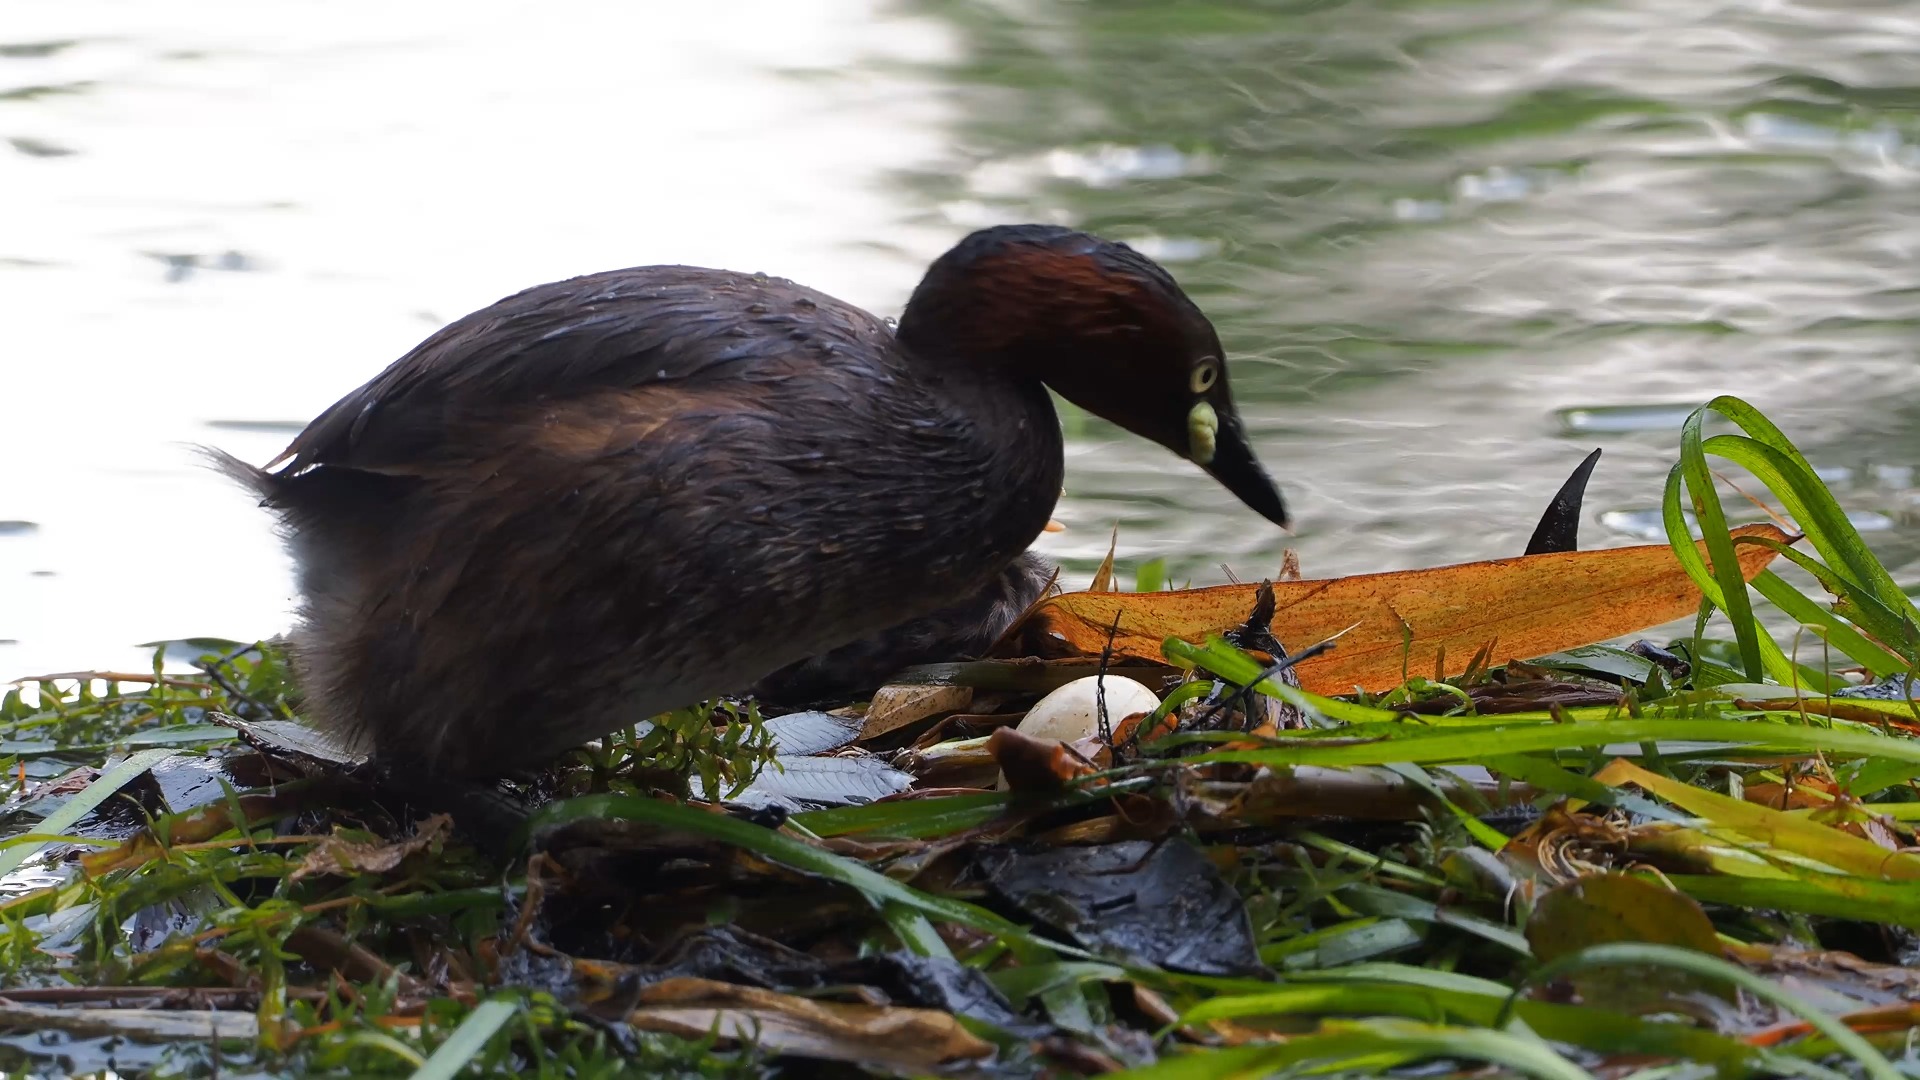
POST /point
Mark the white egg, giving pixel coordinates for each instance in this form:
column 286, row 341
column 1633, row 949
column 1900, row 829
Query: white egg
column 1073, row 712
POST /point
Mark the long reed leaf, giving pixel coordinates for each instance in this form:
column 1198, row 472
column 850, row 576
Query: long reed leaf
column 1725, row 570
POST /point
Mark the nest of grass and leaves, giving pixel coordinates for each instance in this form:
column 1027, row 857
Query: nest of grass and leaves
column 1674, row 859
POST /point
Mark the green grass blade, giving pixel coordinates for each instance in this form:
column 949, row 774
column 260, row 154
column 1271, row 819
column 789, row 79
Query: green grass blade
column 1321, row 999
column 1547, row 776
column 1151, row 576
column 1834, row 895
column 915, row 932
column 82, row 804
column 1476, row 744
column 386, row 1044
column 926, row 818
column 1597, row 1029
column 1725, row 571
column 1837, row 540
column 911, row 818
column 1830, row 626
column 1229, row 663
column 1031, row 980
column 1484, row 834
column 1366, row 1047
column 1854, row 575
column 1375, row 900
column 467, row 1040
column 1773, row 661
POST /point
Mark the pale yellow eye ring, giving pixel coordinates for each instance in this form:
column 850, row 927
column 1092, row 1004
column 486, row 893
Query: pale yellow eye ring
column 1205, row 374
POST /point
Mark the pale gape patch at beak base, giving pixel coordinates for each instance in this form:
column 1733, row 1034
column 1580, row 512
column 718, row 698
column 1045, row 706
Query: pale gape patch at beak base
column 1203, row 429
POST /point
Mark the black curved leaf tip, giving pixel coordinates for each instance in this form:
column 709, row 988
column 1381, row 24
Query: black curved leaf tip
column 1559, row 528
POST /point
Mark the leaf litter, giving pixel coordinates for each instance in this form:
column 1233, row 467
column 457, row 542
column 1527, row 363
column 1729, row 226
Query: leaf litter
column 1383, row 824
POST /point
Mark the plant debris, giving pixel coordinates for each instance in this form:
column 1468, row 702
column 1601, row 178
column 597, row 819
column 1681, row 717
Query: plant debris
column 1509, row 848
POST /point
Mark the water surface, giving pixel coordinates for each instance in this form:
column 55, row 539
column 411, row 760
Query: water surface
column 1443, row 240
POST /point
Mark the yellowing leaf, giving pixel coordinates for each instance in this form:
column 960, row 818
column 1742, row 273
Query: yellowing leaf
column 1599, row 908
column 1786, row 831
column 1516, row 608
column 1602, row 908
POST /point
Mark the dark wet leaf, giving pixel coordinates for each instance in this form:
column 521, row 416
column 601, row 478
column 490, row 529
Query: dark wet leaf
column 187, row 783
column 1527, row 696
column 1140, row 901
column 152, row 925
column 1559, row 528
column 290, row 740
column 733, row 955
column 937, row 983
column 1901, row 687
column 1599, row 659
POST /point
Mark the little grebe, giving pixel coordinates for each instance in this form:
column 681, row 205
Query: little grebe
column 607, row 497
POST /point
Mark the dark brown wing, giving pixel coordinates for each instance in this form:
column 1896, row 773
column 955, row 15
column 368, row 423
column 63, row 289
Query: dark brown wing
column 677, row 327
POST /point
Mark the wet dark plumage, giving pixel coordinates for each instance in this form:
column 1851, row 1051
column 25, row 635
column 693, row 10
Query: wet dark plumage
column 610, row 496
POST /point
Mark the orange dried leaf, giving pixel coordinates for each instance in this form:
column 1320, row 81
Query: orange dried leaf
column 894, row 707
column 1781, row 797
column 1103, row 577
column 1031, row 764
column 1513, row 608
column 886, row 1037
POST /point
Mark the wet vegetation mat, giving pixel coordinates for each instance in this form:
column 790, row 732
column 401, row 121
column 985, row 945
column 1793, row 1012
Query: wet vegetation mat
column 1416, row 824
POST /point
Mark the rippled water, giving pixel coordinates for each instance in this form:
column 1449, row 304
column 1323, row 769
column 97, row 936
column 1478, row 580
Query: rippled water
column 1444, row 240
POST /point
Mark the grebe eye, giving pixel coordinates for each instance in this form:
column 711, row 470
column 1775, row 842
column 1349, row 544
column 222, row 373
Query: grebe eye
column 1205, row 374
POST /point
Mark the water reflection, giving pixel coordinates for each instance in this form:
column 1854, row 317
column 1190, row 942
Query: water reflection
column 1456, row 244
column 1453, row 245
column 264, row 205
